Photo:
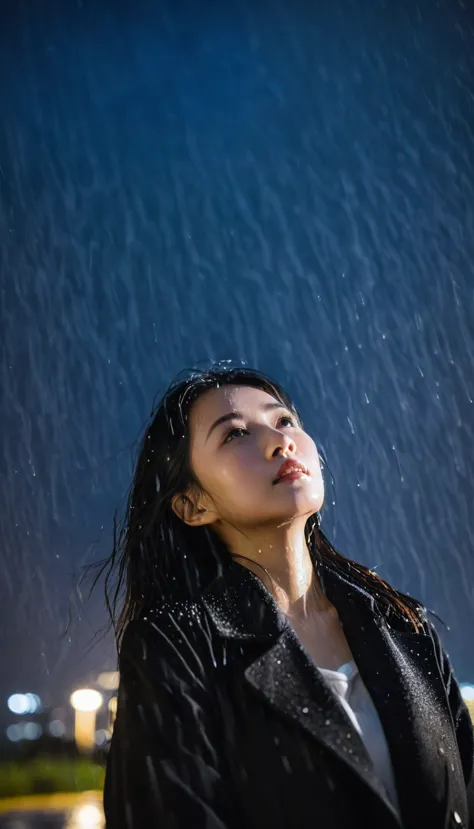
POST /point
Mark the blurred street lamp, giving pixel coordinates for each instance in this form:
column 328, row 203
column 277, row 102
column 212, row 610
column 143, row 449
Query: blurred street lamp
column 86, row 703
column 467, row 692
column 112, row 707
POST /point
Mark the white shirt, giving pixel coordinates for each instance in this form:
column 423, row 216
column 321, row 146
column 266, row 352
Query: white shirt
column 357, row 702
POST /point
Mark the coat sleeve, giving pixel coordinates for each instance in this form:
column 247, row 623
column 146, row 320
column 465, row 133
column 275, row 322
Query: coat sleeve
column 165, row 762
column 461, row 718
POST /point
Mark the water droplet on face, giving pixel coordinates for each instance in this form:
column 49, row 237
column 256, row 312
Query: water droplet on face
column 327, row 722
column 305, row 710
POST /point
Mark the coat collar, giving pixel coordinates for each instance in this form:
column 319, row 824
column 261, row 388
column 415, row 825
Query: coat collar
column 285, row 676
column 242, row 607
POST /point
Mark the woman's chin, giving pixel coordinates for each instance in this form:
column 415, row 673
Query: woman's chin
column 302, row 491
column 297, row 507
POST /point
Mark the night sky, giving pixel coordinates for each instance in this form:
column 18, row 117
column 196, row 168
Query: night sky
column 286, row 183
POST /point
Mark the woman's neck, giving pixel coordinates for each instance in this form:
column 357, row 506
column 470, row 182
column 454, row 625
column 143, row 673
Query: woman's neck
column 287, row 571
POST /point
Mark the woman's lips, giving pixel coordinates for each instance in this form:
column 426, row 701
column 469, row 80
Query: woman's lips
column 291, row 476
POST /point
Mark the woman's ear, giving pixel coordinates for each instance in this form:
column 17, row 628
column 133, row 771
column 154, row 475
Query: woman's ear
column 190, row 512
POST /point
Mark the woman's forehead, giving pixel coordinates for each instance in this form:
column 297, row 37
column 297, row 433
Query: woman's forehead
column 227, row 397
column 220, row 401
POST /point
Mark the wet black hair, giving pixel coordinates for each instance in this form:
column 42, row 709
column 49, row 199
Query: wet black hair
column 157, row 556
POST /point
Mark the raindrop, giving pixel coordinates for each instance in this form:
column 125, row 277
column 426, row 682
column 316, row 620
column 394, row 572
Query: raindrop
column 285, row 762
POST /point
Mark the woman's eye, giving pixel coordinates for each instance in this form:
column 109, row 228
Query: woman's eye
column 236, row 429
column 241, row 429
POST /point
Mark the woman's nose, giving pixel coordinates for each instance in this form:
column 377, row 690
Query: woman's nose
column 282, row 442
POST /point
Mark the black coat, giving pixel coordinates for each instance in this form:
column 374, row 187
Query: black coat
column 223, row 721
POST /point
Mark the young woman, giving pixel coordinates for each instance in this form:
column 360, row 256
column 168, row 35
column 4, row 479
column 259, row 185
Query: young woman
column 265, row 679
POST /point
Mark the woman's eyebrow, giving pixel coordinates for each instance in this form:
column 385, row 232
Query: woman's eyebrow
column 231, row 415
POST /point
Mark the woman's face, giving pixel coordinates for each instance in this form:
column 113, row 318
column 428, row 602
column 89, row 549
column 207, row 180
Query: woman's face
column 237, row 461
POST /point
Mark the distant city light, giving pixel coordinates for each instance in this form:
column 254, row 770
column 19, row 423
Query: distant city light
column 14, row 733
column 32, row 730
column 24, row 731
column 24, row 703
column 57, row 728
column 102, row 737
column 108, row 680
column 87, row 816
column 112, row 707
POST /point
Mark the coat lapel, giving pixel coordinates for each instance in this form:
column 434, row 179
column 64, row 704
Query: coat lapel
column 286, row 677
column 401, row 672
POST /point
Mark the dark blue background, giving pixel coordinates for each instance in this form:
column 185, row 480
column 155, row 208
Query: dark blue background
column 286, row 183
